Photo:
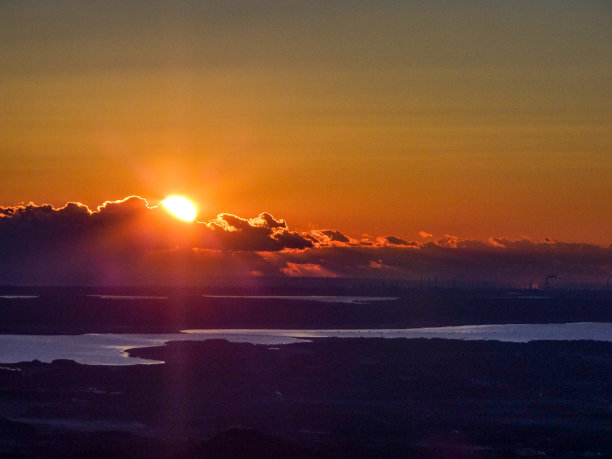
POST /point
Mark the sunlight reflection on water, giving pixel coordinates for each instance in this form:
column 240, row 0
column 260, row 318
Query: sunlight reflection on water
column 109, row 349
column 318, row 298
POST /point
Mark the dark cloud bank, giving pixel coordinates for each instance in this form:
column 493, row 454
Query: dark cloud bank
column 128, row 242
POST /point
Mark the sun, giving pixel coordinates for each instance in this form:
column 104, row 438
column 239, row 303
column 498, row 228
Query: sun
column 180, row 207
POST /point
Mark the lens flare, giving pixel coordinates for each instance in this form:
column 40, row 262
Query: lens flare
column 180, row 207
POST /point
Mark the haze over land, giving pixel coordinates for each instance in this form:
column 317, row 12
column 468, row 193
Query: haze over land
column 129, row 242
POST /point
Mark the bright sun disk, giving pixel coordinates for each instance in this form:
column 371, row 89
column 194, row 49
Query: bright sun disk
column 180, row 207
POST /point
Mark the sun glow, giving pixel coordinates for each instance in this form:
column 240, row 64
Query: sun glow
column 180, row 207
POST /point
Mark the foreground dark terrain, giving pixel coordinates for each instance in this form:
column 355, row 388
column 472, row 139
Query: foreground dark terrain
column 326, row 398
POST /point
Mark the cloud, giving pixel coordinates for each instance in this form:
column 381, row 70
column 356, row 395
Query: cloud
column 306, row 270
column 329, row 237
column 263, row 233
column 394, row 240
column 131, row 242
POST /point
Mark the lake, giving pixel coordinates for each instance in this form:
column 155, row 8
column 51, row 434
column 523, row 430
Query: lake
column 319, row 298
column 109, row 349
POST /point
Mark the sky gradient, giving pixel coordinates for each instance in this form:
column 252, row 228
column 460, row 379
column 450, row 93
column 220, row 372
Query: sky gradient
column 470, row 119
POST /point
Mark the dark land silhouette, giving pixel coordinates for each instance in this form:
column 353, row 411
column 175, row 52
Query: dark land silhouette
column 335, row 398
column 74, row 311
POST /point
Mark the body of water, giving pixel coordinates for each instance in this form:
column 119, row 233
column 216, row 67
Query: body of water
column 320, row 298
column 130, row 297
column 10, row 297
column 109, row 349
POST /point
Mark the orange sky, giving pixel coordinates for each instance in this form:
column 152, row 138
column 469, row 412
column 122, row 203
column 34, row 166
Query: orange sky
column 471, row 118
